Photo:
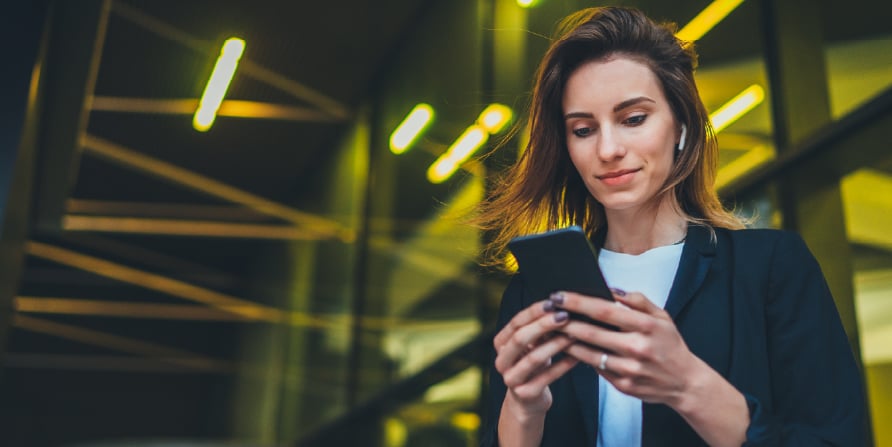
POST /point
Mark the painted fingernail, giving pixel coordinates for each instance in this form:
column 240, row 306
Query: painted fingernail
column 548, row 306
column 619, row 292
column 561, row 316
column 557, row 298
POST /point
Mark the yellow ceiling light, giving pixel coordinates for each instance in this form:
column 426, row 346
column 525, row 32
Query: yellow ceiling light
column 216, row 88
column 411, row 128
column 708, row 18
column 494, row 117
column 469, row 141
column 737, row 107
column 526, row 3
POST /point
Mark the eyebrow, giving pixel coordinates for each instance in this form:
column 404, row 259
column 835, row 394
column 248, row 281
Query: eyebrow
column 623, row 105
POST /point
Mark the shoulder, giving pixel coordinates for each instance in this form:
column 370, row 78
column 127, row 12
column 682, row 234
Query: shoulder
column 778, row 254
column 762, row 239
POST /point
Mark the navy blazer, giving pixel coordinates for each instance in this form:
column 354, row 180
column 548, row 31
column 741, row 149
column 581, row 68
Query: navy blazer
column 754, row 305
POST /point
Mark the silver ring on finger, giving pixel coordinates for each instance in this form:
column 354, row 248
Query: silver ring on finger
column 603, row 365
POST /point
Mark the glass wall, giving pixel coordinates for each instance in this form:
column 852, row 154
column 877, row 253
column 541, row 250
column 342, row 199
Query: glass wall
column 858, row 53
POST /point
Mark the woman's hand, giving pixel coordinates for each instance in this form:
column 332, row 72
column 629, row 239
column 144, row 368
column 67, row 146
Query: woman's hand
column 524, row 348
column 647, row 358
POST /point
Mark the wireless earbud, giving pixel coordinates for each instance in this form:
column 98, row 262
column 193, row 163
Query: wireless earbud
column 684, row 134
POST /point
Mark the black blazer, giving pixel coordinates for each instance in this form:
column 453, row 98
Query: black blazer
column 755, row 306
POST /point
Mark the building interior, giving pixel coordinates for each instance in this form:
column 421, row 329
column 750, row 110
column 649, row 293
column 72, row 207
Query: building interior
column 288, row 275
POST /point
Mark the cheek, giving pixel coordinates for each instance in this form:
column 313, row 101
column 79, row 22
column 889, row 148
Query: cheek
column 577, row 157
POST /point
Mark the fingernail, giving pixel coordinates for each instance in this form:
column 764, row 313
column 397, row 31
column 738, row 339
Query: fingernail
column 619, row 292
column 561, row 316
column 548, row 306
column 557, row 298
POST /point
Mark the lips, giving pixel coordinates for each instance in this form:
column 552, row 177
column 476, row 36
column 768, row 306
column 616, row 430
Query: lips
column 614, row 178
column 615, row 174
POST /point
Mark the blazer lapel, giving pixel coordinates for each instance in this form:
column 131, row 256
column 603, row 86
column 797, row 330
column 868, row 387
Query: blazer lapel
column 696, row 258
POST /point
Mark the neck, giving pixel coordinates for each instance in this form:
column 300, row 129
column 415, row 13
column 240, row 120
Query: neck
column 636, row 231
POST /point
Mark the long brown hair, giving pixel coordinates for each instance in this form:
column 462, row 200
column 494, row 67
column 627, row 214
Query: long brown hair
column 544, row 191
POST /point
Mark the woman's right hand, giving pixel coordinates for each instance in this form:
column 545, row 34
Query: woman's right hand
column 524, row 351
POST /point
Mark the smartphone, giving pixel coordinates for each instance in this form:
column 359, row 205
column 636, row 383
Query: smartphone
column 562, row 259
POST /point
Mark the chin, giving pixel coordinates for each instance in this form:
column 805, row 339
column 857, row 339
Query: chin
column 620, row 201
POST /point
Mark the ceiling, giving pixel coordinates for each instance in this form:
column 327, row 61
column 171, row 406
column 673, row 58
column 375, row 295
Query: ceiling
column 144, row 228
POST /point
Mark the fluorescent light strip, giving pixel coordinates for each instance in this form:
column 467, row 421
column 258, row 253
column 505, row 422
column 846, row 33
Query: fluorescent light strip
column 738, row 106
column 411, row 128
column 219, row 82
column 495, row 117
column 248, row 68
column 469, row 141
column 707, row 19
column 491, row 120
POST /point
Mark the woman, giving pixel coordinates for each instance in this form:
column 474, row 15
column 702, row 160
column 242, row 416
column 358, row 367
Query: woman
column 726, row 336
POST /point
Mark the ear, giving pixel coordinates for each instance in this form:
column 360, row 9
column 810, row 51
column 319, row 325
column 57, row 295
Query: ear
column 681, row 139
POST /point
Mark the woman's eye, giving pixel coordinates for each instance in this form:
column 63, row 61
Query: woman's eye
column 636, row 120
column 582, row 131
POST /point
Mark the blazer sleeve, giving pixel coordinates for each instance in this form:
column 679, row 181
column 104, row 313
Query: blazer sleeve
column 512, row 303
column 816, row 387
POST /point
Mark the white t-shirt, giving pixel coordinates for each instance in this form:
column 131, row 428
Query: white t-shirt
column 650, row 273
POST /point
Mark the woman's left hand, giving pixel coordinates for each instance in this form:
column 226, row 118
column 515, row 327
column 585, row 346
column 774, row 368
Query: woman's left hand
column 647, row 358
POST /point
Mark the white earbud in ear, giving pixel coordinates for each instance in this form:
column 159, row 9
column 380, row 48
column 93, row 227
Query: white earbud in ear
column 684, row 134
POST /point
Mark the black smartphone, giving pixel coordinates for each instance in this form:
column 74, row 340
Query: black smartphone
column 562, row 259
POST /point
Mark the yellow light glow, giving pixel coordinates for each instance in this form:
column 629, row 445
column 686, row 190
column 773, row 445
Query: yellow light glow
column 412, row 126
column 469, row 141
column 750, row 160
column 737, row 107
column 216, row 87
column 441, row 170
column 494, row 117
column 526, row 3
column 708, row 18
column 466, row 421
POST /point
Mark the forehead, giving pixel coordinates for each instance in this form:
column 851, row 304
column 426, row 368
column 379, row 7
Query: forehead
column 607, row 82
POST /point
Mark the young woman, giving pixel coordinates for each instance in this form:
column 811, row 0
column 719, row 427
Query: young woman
column 726, row 336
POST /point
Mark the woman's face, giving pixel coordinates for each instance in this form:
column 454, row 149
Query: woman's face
column 621, row 132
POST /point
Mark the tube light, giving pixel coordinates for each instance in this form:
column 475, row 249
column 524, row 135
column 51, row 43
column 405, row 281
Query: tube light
column 412, row 126
column 216, row 87
column 469, row 141
column 708, row 18
column 737, row 107
column 526, row 3
column 494, row 117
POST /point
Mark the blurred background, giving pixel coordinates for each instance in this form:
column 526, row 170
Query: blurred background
column 290, row 267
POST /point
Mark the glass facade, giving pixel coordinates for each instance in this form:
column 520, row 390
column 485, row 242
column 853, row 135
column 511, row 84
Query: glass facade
column 386, row 333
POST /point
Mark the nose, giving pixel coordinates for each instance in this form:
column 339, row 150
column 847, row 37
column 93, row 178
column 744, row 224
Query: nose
column 609, row 145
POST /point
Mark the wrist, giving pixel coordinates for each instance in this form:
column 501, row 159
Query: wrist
column 713, row 407
column 698, row 383
column 523, row 413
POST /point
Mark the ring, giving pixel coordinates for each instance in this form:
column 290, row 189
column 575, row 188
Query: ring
column 603, row 365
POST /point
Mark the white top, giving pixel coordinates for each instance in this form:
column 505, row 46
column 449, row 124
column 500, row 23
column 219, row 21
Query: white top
column 651, row 273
